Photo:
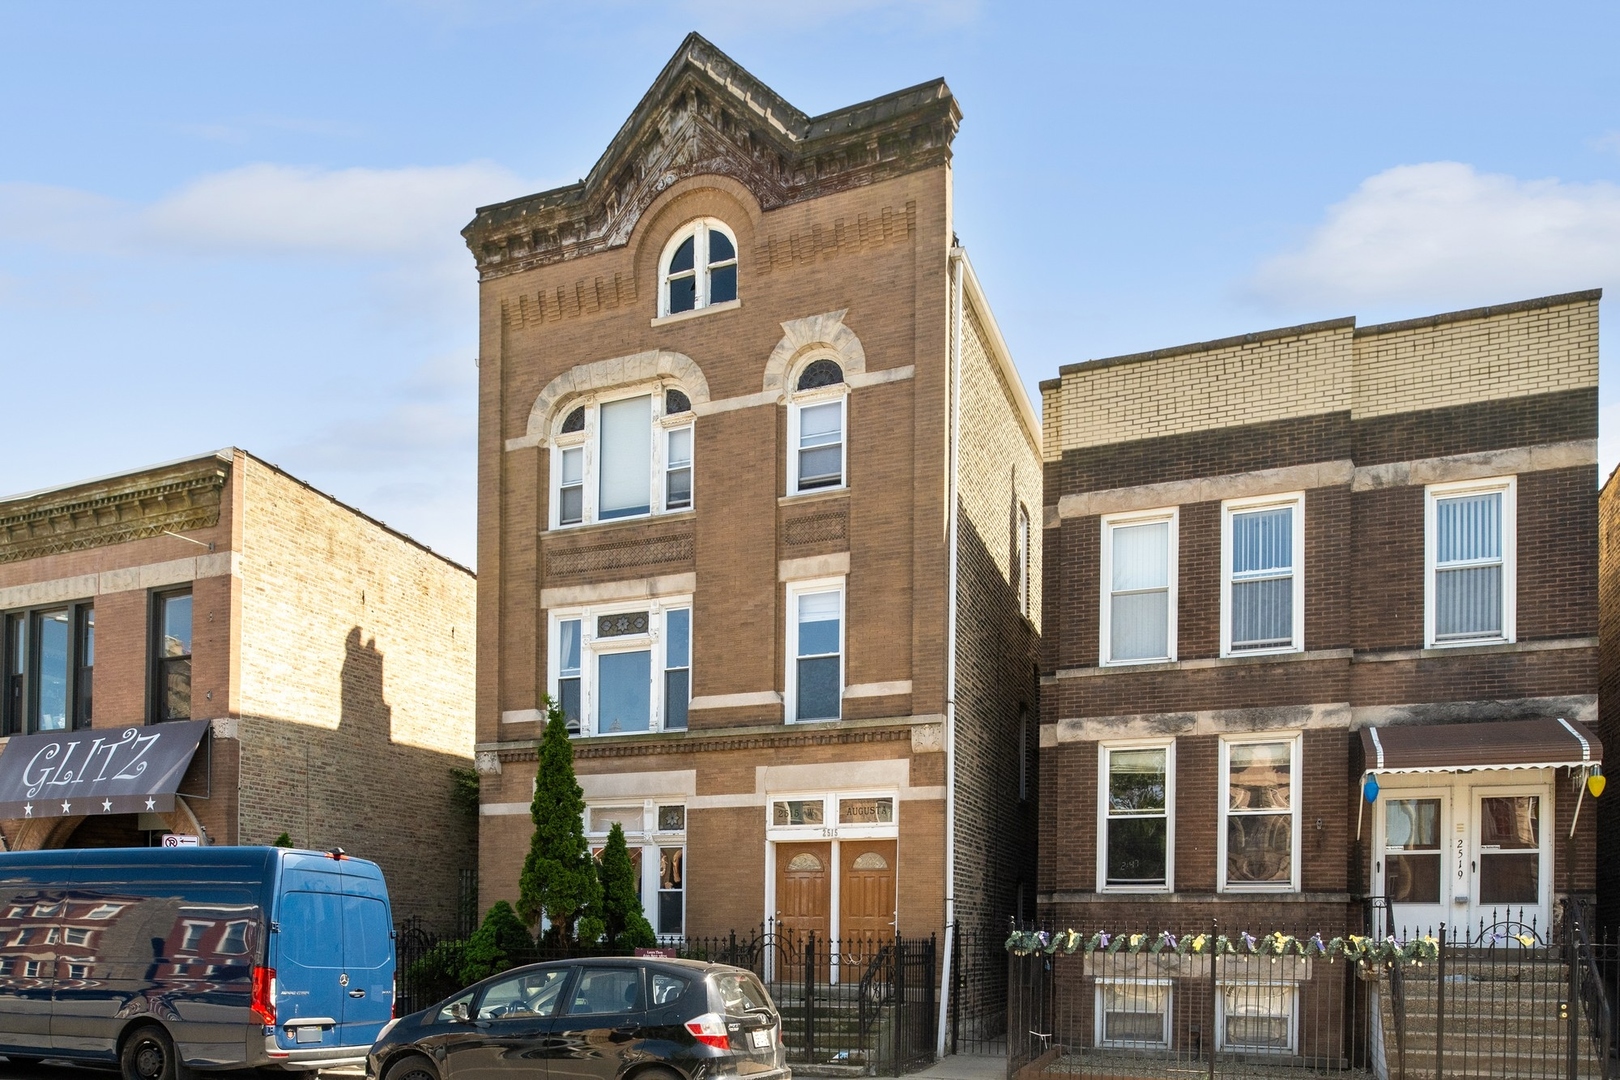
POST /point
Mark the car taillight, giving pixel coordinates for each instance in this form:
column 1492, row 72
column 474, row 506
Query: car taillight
column 264, row 995
column 710, row 1030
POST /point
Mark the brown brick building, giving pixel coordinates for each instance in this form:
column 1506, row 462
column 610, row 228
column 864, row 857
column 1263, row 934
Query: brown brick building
column 750, row 445
column 1280, row 563
column 331, row 657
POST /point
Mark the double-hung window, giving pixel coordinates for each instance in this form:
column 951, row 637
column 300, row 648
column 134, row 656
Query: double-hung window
column 1262, row 579
column 171, row 656
column 1470, row 542
column 1136, row 830
column 1138, row 587
column 815, row 639
column 816, row 420
column 47, row 664
column 622, row 456
column 620, row 670
column 1133, row 1013
column 1259, row 801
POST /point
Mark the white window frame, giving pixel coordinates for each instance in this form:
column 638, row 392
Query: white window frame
column 1105, row 579
column 1509, row 487
column 589, row 441
column 590, row 648
column 1104, row 750
column 649, row 839
column 1223, row 789
column 801, row 400
column 790, row 696
column 1230, row 509
column 1291, row 988
column 1101, row 1026
column 699, row 228
column 830, row 827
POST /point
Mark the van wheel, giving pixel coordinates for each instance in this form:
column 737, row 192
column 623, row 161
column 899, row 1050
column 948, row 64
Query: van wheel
column 149, row 1055
column 414, row 1067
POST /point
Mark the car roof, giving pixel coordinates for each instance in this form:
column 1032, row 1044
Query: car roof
column 679, row 964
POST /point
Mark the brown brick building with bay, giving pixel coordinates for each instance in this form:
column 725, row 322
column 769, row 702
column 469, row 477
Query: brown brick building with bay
column 750, row 447
column 320, row 663
column 1285, row 564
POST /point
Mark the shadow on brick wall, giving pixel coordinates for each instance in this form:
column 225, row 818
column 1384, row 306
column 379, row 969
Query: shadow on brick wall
column 366, row 787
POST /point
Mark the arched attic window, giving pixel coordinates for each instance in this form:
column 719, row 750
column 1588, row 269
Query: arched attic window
column 816, row 421
column 698, row 268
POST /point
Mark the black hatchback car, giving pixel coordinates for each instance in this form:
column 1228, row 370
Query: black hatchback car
column 596, row 1019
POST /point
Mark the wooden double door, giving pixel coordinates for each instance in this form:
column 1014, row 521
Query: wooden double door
column 865, row 910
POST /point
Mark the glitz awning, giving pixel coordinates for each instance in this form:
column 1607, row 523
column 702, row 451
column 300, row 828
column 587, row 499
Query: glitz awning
column 1497, row 744
column 128, row 770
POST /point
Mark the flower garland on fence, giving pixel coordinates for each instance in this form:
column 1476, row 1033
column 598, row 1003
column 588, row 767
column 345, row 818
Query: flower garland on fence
column 1352, row 947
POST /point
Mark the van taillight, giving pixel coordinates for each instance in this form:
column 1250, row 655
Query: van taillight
column 710, row 1030
column 264, row 995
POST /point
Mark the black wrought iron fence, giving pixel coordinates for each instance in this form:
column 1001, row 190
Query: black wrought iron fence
column 866, row 1002
column 1502, row 998
column 978, row 992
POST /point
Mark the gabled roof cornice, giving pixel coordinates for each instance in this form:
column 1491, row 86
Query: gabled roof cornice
column 705, row 114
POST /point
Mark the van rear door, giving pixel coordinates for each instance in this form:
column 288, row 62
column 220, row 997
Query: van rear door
column 309, row 953
column 368, row 955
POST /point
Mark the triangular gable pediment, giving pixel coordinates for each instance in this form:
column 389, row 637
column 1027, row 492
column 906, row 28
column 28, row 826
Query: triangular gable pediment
column 706, row 115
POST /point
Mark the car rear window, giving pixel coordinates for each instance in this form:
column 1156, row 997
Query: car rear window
column 741, row 992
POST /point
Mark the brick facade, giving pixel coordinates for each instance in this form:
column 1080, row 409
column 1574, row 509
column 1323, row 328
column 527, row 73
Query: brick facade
column 1361, row 420
column 843, row 253
column 333, row 655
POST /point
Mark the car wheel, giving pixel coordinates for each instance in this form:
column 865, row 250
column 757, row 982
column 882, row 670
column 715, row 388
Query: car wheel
column 414, row 1067
column 149, row 1055
column 657, row 1074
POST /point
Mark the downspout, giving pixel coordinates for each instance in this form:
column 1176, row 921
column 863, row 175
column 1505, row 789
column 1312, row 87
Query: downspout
column 956, row 258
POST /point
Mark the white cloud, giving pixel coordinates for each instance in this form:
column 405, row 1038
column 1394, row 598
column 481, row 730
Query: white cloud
column 367, row 212
column 269, row 209
column 1609, row 141
column 1443, row 233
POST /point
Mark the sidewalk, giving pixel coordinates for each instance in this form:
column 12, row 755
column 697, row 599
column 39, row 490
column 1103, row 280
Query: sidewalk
column 965, row 1067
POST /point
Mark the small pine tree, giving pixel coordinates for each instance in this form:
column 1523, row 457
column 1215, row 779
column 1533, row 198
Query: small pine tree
column 283, row 841
column 501, row 941
column 626, row 927
column 559, row 876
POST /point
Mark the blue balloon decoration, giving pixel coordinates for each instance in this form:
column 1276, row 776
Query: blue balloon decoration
column 1370, row 789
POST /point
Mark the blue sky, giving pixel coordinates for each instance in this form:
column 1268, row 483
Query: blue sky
column 238, row 224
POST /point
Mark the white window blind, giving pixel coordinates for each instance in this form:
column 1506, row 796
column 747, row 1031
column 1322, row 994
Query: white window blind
column 1468, row 567
column 1139, row 602
column 626, row 457
column 1263, row 578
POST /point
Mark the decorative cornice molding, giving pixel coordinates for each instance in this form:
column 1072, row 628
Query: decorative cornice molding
column 174, row 498
column 706, row 115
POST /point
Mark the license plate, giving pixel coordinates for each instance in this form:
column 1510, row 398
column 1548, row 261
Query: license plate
column 762, row 1039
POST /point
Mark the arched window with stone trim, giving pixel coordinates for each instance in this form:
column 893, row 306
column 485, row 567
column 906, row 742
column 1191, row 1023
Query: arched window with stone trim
column 817, row 420
column 698, row 268
column 622, row 453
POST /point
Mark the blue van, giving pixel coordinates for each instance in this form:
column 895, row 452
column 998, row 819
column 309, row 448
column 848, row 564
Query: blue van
column 163, row 959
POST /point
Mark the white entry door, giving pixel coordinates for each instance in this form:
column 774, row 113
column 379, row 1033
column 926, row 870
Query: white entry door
column 1511, row 857
column 1412, row 861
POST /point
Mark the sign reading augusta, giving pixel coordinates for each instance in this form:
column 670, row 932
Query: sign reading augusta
column 102, row 771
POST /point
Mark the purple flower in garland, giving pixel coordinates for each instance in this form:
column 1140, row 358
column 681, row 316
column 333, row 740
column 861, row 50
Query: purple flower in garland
column 1318, row 944
column 1248, row 941
column 1103, row 939
column 1169, row 939
column 1042, row 938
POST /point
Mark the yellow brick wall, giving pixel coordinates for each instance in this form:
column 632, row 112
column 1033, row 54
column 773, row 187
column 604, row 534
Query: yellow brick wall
column 356, row 676
column 1539, row 351
column 1308, row 374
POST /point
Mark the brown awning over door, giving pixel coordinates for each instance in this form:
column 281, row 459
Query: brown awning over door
column 1507, row 744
